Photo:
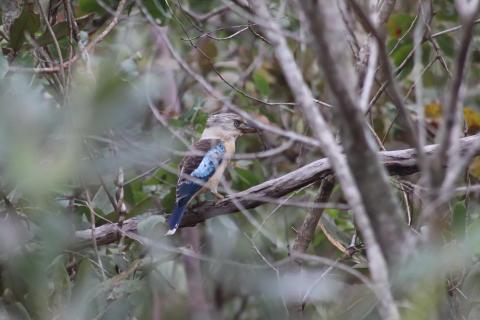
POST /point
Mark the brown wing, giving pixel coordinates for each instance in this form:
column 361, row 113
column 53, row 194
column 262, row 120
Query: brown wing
column 200, row 148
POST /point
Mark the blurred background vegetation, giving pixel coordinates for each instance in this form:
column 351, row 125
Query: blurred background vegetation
column 95, row 112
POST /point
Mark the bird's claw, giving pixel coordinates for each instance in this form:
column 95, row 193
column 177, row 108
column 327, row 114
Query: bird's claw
column 218, row 196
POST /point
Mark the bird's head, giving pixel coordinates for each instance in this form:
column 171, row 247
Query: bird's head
column 229, row 125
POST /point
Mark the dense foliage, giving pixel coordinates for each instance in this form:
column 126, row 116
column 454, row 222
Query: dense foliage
column 99, row 100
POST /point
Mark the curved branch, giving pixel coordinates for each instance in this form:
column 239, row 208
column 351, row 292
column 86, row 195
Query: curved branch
column 307, row 230
column 398, row 163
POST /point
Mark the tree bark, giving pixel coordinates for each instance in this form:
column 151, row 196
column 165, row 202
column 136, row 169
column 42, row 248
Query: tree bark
column 398, row 163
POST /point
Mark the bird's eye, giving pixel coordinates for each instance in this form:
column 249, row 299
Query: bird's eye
column 236, row 123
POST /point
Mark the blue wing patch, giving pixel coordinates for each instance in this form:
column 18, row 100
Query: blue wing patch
column 199, row 167
column 204, row 171
column 210, row 163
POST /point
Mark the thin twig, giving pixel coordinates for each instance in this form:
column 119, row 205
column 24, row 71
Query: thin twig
column 449, row 30
column 206, row 16
column 451, row 128
column 55, row 41
column 391, row 84
column 92, row 230
column 217, row 95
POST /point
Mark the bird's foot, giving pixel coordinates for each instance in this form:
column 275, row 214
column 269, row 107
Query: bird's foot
column 218, row 196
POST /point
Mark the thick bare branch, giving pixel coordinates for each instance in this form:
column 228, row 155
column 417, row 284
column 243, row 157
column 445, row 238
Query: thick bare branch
column 385, row 10
column 322, row 132
column 378, row 217
column 398, row 163
column 380, row 203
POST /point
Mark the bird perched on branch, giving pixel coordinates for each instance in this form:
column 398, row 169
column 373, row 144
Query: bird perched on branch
column 203, row 168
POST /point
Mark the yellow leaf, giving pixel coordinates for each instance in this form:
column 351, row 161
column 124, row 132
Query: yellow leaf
column 433, row 110
column 472, row 120
column 474, row 168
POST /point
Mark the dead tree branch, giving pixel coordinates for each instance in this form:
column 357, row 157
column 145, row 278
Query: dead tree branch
column 380, row 219
column 382, row 209
column 307, row 230
column 398, row 163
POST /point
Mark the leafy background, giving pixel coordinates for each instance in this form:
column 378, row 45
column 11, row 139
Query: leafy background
column 64, row 134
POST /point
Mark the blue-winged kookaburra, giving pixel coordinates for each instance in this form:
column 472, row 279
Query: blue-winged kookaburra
column 209, row 158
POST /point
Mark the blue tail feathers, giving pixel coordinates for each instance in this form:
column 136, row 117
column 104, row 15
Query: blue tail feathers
column 175, row 218
column 186, row 190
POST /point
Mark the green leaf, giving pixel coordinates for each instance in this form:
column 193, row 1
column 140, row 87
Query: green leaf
column 261, row 84
column 245, row 178
column 399, row 57
column 459, row 218
column 140, row 207
column 401, row 53
column 134, row 192
column 91, row 6
column 165, row 177
column 200, row 121
column 61, row 30
column 85, row 271
column 447, row 45
column 158, row 9
column 27, row 22
column 398, row 24
column 168, row 201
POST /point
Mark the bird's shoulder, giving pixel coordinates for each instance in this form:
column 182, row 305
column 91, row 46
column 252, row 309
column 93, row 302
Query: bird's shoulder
column 199, row 150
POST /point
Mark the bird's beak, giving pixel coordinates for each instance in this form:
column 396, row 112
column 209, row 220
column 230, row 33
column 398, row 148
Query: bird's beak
column 248, row 127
